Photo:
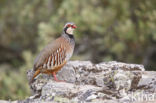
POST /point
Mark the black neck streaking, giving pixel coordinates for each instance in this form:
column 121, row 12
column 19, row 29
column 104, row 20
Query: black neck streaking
column 71, row 36
column 65, row 30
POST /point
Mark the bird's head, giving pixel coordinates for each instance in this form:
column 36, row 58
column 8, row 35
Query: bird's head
column 69, row 28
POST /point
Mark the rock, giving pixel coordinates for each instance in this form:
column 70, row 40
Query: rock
column 148, row 81
column 106, row 82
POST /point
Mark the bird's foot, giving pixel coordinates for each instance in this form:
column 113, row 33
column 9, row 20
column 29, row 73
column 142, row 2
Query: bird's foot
column 59, row 80
column 55, row 78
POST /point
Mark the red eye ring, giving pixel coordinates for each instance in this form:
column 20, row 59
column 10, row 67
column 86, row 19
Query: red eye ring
column 74, row 26
column 68, row 25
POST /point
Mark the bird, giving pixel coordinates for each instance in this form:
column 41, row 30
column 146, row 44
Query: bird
column 56, row 54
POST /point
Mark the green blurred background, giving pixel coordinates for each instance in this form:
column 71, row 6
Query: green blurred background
column 119, row 30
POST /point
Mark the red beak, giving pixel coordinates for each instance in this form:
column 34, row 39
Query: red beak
column 74, row 26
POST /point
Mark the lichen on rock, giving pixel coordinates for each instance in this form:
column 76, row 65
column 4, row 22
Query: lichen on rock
column 109, row 82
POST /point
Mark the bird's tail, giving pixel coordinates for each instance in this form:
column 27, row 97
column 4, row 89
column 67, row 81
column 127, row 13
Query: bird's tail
column 35, row 73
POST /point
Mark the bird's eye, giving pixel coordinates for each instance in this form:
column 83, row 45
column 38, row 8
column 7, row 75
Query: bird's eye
column 74, row 26
column 68, row 25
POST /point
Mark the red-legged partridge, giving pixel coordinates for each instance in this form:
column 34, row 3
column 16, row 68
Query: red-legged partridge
column 56, row 54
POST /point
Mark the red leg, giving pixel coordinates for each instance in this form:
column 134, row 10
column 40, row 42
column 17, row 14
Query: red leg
column 55, row 78
column 54, row 75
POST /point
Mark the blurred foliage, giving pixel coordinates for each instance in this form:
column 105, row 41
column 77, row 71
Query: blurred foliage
column 123, row 30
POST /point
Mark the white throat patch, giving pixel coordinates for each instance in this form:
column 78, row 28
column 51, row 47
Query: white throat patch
column 70, row 30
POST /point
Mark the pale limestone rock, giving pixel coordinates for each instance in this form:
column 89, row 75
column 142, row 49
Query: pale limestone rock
column 106, row 82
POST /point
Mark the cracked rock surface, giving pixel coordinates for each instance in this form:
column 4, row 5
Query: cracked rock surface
column 106, row 82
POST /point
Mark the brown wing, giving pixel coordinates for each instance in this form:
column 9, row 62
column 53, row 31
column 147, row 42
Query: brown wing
column 52, row 55
column 55, row 59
